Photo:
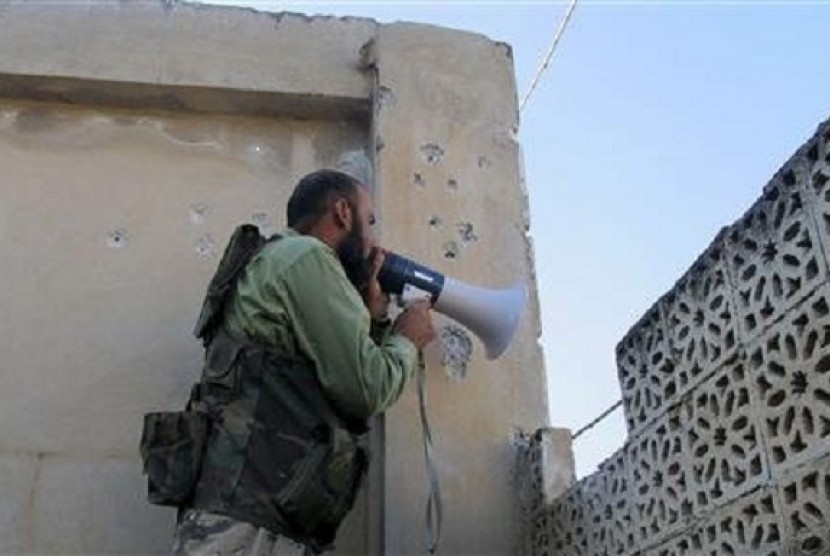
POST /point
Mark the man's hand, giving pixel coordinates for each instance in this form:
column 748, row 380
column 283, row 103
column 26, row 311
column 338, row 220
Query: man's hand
column 416, row 324
column 375, row 299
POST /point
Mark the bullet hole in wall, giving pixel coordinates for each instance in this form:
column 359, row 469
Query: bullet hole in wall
column 435, row 222
column 418, row 179
column 199, row 213
column 452, row 184
column 451, row 250
column 458, row 349
column 466, row 232
column 117, row 238
column 206, row 247
column 432, row 154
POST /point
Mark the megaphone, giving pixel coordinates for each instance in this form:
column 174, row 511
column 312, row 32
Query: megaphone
column 491, row 314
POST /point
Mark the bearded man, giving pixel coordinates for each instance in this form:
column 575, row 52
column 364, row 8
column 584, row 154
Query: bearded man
column 300, row 354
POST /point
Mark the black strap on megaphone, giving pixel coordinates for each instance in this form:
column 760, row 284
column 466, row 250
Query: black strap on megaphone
column 408, row 280
column 434, row 509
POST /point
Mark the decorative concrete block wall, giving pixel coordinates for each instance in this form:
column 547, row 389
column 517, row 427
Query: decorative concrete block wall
column 726, row 392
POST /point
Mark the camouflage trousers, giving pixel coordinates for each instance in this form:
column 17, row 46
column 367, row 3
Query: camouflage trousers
column 200, row 533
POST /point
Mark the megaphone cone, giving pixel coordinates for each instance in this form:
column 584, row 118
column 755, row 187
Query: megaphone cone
column 491, row 314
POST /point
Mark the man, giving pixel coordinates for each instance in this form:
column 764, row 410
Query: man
column 302, row 356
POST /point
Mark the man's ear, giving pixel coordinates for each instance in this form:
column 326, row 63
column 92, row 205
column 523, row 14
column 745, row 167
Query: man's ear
column 343, row 213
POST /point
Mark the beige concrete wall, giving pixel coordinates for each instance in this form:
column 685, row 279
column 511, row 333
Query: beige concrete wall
column 113, row 222
column 133, row 137
column 451, row 195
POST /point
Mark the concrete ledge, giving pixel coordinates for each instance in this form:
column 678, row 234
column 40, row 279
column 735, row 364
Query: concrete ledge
column 174, row 44
column 181, row 98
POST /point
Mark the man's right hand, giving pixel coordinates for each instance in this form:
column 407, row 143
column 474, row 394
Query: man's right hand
column 415, row 323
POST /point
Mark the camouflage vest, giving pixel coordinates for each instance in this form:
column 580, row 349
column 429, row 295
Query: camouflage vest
column 277, row 454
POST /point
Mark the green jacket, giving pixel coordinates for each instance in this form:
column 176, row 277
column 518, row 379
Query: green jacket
column 294, row 296
column 290, row 376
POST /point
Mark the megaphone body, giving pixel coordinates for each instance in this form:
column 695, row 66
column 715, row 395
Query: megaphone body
column 491, row 314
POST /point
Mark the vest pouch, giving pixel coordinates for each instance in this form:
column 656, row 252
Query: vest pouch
column 221, row 373
column 323, row 486
column 172, row 444
column 345, row 471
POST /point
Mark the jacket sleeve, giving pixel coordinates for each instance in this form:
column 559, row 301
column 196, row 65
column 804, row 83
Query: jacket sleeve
column 332, row 327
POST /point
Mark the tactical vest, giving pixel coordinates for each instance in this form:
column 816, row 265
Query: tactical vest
column 276, row 453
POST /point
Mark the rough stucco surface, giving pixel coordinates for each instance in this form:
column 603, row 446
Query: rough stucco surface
column 113, row 222
column 18, row 474
column 450, row 195
column 726, row 390
column 134, row 136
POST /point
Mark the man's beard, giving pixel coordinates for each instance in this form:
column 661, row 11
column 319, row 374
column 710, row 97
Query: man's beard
column 350, row 252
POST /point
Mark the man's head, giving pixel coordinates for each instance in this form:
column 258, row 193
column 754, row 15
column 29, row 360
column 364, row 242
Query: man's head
column 337, row 209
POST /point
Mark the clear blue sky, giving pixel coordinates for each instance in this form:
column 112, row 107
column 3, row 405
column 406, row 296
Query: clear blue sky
column 656, row 124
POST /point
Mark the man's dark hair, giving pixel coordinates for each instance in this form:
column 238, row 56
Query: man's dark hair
column 315, row 193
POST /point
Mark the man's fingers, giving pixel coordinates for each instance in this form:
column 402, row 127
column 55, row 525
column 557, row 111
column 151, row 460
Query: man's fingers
column 378, row 256
column 421, row 305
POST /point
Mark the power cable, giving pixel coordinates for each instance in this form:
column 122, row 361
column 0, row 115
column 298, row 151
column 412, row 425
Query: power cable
column 556, row 37
column 602, row 416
